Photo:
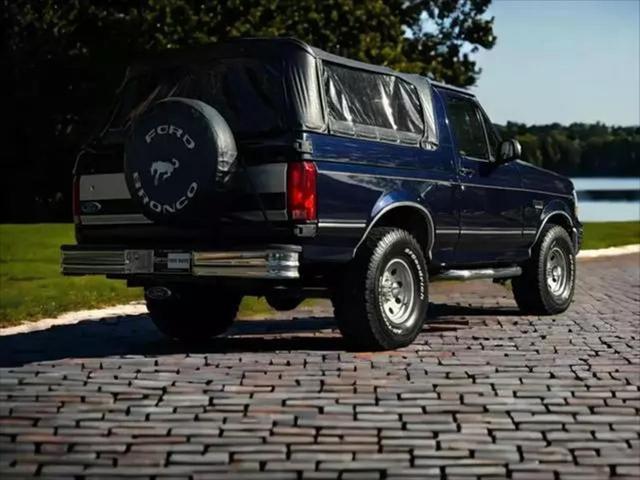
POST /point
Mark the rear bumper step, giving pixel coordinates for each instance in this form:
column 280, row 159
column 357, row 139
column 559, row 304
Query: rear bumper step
column 278, row 262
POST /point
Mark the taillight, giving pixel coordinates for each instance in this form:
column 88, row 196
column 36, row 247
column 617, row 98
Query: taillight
column 75, row 200
column 301, row 191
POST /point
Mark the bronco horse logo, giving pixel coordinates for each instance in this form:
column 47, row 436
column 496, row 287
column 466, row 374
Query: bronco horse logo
column 163, row 168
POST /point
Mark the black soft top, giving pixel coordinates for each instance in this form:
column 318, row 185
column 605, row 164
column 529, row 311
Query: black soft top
column 258, row 47
column 296, row 67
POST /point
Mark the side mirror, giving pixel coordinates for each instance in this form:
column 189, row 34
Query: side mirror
column 509, row 150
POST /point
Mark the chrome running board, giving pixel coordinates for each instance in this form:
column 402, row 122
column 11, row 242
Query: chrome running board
column 496, row 273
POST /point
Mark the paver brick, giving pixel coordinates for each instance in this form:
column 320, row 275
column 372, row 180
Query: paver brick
column 483, row 392
column 190, row 458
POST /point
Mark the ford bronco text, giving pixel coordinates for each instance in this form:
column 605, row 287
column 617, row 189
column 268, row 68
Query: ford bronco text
column 269, row 167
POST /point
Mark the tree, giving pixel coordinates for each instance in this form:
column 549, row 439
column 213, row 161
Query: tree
column 444, row 35
column 435, row 37
column 65, row 58
column 579, row 149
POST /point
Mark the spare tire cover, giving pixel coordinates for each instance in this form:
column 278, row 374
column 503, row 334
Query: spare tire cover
column 179, row 157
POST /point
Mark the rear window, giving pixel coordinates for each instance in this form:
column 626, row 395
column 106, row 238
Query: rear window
column 248, row 93
column 373, row 105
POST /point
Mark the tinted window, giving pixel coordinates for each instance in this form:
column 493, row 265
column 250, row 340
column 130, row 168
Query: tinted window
column 494, row 138
column 466, row 123
column 384, row 103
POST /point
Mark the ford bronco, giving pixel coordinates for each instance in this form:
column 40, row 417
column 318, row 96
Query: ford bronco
column 268, row 167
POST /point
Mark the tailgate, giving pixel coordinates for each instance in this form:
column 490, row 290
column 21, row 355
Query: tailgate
column 107, row 213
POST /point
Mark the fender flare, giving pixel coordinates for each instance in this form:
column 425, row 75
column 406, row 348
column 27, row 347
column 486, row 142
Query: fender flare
column 419, row 208
column 555, row 209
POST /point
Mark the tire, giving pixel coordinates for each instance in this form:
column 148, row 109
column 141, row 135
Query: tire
column 547, row 283
column 190, row 313
column 365, row 308
column 180, row 157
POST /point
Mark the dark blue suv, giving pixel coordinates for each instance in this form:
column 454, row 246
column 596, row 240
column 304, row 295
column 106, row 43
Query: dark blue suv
column 269, row 167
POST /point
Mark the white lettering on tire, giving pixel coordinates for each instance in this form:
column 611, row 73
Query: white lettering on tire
column 413, row 256
column 171, row 130
column 157, row 207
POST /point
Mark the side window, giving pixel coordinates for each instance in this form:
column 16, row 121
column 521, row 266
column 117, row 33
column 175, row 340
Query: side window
column 372, row 105
column 492, row 135
column 466, row 123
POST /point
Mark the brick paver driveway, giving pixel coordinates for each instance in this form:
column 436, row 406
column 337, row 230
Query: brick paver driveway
column 483, row 392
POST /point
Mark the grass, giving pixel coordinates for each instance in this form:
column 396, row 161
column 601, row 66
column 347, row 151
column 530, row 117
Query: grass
column 610, row 234
column 31, row 286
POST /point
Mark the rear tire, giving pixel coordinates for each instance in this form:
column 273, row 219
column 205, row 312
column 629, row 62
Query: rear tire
column 382, row 301
column 547, row 283
column 191, row 313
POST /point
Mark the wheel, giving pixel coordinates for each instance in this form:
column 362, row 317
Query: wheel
column 191, row 313
column 282, row 303
column 548, row 279
column 381, row 302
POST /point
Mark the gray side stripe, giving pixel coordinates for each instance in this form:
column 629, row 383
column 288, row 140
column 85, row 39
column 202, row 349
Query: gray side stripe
column 257, row 215
column 268, row 178
column 108, row 186
column 130, row 218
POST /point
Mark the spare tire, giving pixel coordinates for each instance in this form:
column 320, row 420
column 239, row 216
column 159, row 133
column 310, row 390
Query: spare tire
column 179, row 158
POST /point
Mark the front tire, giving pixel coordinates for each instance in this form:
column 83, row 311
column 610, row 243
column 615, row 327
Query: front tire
column 547, row 283
column 382, row 301
column 192, row 313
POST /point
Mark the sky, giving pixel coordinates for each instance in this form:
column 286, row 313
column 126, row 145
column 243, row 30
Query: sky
column 562, row 61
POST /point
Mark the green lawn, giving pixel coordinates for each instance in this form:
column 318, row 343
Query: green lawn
column 30, row 282
column 610, row 234
column 31, row 286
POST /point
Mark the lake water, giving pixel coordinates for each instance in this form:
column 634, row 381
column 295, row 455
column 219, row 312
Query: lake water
column 608, row 199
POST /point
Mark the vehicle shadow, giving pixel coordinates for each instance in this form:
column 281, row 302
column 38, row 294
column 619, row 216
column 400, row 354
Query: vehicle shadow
column 438, row 310
column 136, row 335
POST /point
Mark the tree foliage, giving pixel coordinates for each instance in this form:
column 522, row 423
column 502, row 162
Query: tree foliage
column 426, row 36
column 64, row 59
column 580, row 149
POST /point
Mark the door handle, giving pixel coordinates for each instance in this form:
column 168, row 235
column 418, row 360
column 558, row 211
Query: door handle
column 465, row 172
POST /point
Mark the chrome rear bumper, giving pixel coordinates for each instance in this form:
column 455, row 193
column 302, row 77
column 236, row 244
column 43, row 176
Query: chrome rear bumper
column 273, row 262
column 270, row 263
